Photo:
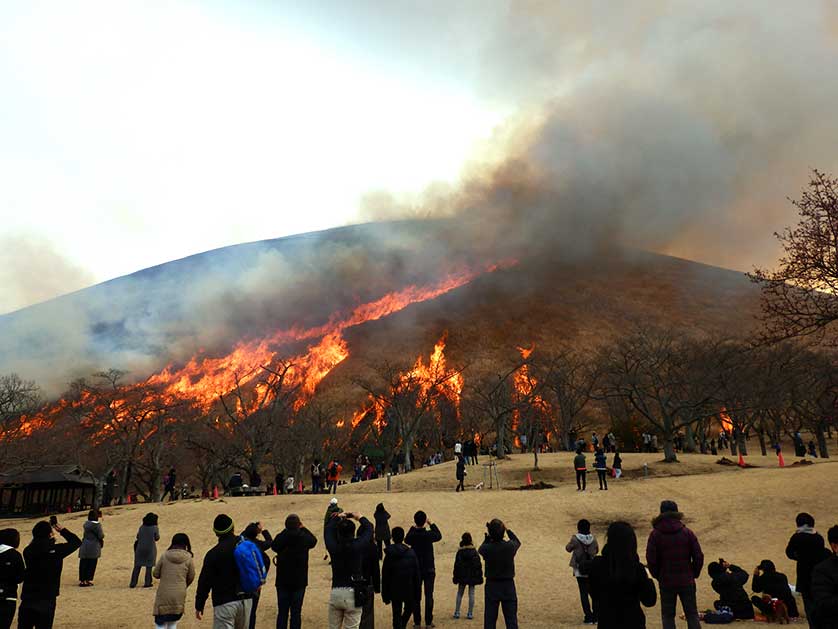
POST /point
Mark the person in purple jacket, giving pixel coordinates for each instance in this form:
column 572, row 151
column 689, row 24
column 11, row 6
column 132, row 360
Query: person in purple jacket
column 674, row 557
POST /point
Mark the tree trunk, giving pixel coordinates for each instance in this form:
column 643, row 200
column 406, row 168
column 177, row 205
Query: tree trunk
column 689, row 440
column 761, row 438
column 824, row 451
column 733, row 446
column 501, row 424
column 536, row 446
column 743, row 444
column 669, row 449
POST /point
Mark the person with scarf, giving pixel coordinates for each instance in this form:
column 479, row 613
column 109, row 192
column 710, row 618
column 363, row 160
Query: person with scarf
column 807, row 548
column 583, row 547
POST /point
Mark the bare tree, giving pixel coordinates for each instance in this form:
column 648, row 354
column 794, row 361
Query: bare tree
column 19, row 401
column 571, row 378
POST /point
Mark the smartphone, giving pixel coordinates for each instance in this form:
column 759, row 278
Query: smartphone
column 53, row 520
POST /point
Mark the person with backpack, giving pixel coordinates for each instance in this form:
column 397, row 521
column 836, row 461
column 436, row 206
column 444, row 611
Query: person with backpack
column 316, row 487
column 422, row 541
column 583, row 547
column 333, row 475
column 348, row 595
column 775, row 584
column 806, row 547
column 12, row 569
column 145, row 549
column 729, row 581
column 44, row 560
column 382, row 527
column 618, row 581
column 581, row 468
column 401, row 580
column 292, row 546
column 222, row 576
column 601, row 469
column 93, row 539
column 251, row 533
column 468, row 573
column 499, row 556
column 674, row 558
column 176, row 571
column 824, row 590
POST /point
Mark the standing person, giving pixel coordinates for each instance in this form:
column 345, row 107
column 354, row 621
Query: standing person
column 581, row 467
column 766, row 579
column 674, row 558
column 176, row 571
column 617, row 465
column 824, row 591
column 333, row 475
column 315, row 477
column 93, row 539
column 371, row 573
column 461, row 473
column 401, row 580
column 422, row 541
column 619, row 582
column 601, row 469
column 169, row 484
column 499, row 555
column 346, row 600
column 292, row 546
column 252, row 532
column 382, row 527
column 44, row 561
column 220, row 575
column 145, row 549
column 729, row 582
column 11, row 575
column 468, row 573
column 583, row 547
column 806, row 547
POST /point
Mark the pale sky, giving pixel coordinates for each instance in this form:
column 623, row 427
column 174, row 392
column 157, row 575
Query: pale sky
column 134, row 133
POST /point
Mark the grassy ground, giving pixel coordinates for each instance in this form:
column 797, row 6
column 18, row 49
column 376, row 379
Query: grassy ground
column 741, row 515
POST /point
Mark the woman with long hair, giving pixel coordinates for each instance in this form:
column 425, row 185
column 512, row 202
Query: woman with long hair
column 176, row 571
column 145, row 549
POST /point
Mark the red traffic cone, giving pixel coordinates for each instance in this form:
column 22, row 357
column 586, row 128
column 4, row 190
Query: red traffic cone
column 274, row 489
column 215, row 492
column 300, row 488
column 781, row 459
column 741, row 460
column 529, row 480
column 68, row 509
column 129, row 499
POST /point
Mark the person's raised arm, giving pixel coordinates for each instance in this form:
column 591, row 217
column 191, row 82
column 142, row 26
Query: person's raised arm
column 71, row 544
column 435, row 534
column 739, row 575
column 516, row 543
column 279, row 542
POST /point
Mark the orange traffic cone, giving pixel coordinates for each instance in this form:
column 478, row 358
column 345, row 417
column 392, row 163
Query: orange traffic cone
column 741, row 460
column 215, row 492
column 782, row 461
column 274, row 489
column 529, row 480
column 129, row 499
column 300, row 488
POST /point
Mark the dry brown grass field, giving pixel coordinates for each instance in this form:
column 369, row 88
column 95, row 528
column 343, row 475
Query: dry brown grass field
column 741, row 515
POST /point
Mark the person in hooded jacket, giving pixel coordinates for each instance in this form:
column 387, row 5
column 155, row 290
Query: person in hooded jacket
column 92, row 541
column 468, row 573
column 11, row 575
column 824, row 588
column 766, row 579
column 601, row 469
column 347, row 552
column 729, row 582
column 292, row 546
column 382, row 528
column 618, row 581
column 145, row 549
column 252, row 532
column 583, row 547
column 176, row 571
column 401, row 581
column 44, row 560
column 806, row 547
column 674, row 557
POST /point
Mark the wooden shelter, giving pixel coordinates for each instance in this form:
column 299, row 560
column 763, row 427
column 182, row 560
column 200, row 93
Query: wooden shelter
column 47, row 489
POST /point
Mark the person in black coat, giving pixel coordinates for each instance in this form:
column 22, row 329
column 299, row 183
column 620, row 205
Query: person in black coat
column 766, row 579
column 618, row 581
column 292, row 546
column 11, row 575
column 468, row 572
column 220, row 576
column 461, row 473
column 825, row 587
column 422, row 541
column 382, row 528
column 401, row 580
column 807, row 548
column 370, row 570
column 42, row 578
column 729, row 582
column 347, row 551
column 252, row 532
column 499, row 555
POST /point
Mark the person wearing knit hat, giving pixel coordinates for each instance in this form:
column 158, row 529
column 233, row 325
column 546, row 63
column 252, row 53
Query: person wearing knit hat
column 674, row 557
column 220, row 577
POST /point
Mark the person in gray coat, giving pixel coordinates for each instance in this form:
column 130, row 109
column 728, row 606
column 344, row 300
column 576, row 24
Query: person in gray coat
column 583, row 547
column 145, row 549
column 93, row 539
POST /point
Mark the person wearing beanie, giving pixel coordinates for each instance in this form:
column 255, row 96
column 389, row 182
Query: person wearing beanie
column 674, row 557
column 499, row 557
column 775, row 584
column 422, row 541
column 806, row 547
column 729, row 582
column 468, row 573
column 176, row 571
column 44, row 560
column 145, row 549
column 11, row 575
column 292, row 546
column 331, row 510
column 824, row 589
column 220, row 577
column 583, row 547
column 254, row 532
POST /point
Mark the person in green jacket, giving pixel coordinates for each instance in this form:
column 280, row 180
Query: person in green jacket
column 581, row 467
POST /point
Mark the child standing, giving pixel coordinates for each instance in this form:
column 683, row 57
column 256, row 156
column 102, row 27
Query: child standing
column 468, row 571
column 583, row 547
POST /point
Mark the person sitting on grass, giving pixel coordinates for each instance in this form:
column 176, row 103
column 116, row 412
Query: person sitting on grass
column 729, row 581
column 767, row 580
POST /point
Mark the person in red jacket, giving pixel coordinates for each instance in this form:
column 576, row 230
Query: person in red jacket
column 674, row 557
column 333, row 476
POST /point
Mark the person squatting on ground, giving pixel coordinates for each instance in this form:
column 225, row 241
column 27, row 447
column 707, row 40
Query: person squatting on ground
column 583, row 547
column 12, row 569
column 92, row 541
column 618, row 581
column 382, row 528
column 422, row 541
column 346, row 601
column 824, row 590
column 292, row 547
column 775, row 584
column 674, row 557
column 401, row 580
column 499, row 556
column 581, row 467
column 220, row 577
column 145, row 549
column 468, row 573
column 806, row 547
column 729, row 581
column 44, row 560
column 176, row 571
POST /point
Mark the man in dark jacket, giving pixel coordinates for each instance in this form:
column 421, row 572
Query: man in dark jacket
column 581, row 468
column 401, row 580
column 292, row 547
column 253, row 532
column 220, row 575
column 824, row 589
column 766, row 579
column 346, row 551
column 11, row 575
column 729, row 582
column 499, row 558
column 674, row 557
column 806, row 547
column 422, row 541
column 42, row 578
column 461, row 473
column 371, row 572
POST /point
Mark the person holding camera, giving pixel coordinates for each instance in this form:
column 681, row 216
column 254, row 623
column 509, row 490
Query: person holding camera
column 729, row 582
column 499, row 558
column 422, row 541
column 766, row 579
column 346, row 550
column 292, row 547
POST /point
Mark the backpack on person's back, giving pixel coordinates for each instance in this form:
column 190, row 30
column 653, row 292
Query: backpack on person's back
column 252, row 570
